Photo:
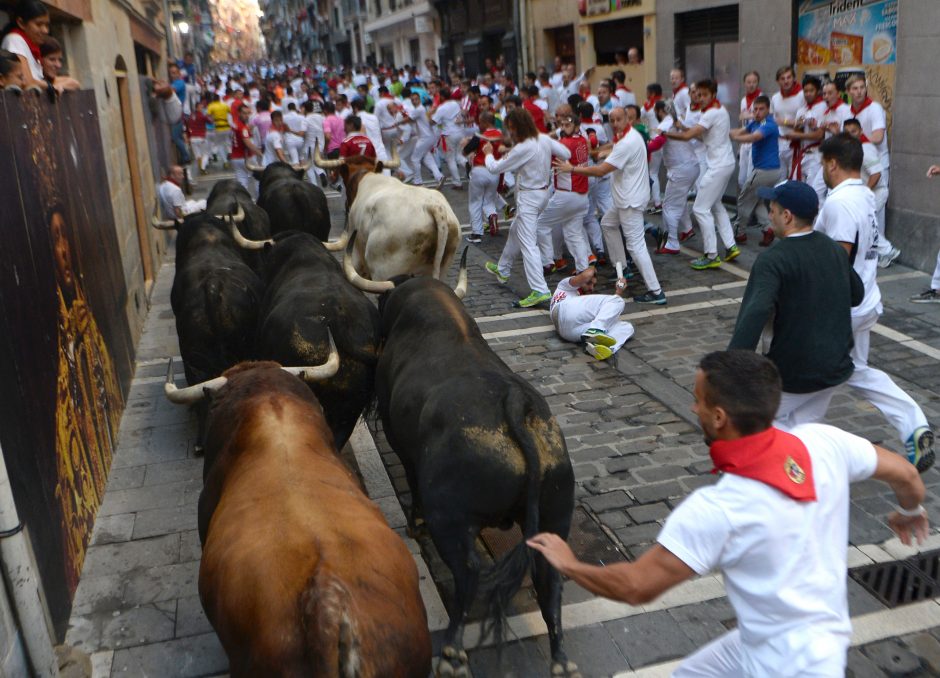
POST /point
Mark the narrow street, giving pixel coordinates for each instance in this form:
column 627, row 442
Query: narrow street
column 636, row 450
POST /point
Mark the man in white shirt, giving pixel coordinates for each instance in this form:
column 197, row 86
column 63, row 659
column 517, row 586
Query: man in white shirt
column 848, row 217
column 427, row 139
column 449, row 119
column 775, row 525
column 681, row 98
column 314, row 137
column 579, row 315
column 785, row 106
column 752, row 90
column 681, row 172
column 630, row 189
column 173, row 204
column 295, row 134
column 835, row 115
column 371, row 128
column 386, row 110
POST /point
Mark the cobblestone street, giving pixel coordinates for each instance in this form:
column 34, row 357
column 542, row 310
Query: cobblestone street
column 637, row 452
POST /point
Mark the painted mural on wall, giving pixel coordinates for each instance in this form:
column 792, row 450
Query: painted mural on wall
column 839, row 38
column 67, row 353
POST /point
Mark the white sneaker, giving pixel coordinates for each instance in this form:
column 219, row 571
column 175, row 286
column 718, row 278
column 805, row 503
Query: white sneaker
column 885, row 260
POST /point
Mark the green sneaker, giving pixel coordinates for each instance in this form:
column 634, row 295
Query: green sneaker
column 733, row 253
column 494, row 269
column 920, row 448
column 533, row 299
column 703, row 262
column 595, row 336
column 597, row 351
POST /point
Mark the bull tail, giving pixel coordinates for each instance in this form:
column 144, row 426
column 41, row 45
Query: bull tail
column 330, row 629
column 439, row 216
column 508, row 573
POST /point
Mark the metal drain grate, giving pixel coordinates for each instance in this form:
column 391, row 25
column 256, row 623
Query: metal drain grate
column 904, row 581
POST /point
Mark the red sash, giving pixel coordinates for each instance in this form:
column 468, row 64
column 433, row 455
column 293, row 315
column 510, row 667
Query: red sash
column 772, row 457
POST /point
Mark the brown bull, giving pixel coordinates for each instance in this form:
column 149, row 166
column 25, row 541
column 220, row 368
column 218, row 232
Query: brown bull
column 300, row 574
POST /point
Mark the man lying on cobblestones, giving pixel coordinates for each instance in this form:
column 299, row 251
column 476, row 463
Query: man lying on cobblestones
column 775, row 526
column 580, row 315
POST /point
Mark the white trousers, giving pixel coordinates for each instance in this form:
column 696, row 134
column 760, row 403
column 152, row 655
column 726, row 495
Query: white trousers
column 935, row 280
column 453, row 158
column 656, row 161
column 409, row 167
column 313, row 172
column 803, row 408
column 811, row 166
column 201, row 153
column 629, row 221
column 744, row 164
column 564, row 216
column 676, row 217
column 786, row 157
column 702, row 156
column 221, row 143
column 575, row 315
column 482, row 197
column 818, row 182
column 523, row 239
column 599, row 201
column 710, row 213
column 245, row 177
column 424, row 154
column 877, row 387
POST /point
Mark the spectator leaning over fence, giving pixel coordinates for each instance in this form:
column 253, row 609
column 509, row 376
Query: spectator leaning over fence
column 24, row 35
column 11, row 71
column 51, row 58
column 171, row 112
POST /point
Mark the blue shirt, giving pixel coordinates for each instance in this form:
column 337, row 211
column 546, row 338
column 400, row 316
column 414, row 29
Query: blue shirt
column 179, row 86
column 764, row 153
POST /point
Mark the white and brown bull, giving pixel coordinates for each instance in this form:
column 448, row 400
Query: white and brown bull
column 300, row 574
column 403, row 230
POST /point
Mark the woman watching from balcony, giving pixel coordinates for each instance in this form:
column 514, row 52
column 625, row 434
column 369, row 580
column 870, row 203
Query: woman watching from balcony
column 24, row 35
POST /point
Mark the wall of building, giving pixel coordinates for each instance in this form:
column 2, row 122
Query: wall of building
column 542, row 16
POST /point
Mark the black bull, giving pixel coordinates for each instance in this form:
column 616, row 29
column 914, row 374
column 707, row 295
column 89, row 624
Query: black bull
column 293, row 204
column 480, row 448
column 306, row 294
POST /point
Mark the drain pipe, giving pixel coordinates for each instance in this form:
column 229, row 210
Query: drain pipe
column 19, row 571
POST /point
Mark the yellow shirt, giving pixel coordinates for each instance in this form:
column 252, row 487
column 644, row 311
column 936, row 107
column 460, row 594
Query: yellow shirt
column 218, row 111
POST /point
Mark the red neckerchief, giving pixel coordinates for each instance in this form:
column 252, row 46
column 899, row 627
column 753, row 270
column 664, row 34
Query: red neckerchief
column 676, row 90
column 865, row 104
column 649, row 103
column 171, row 181
column 814, row 101
column 796, row 89
column 773, row 457
column 695, row 107
column 830, row 109
column 714, row 104
column 33, row 47
column 625, row 88
column 864, row 139
column 749, row 98
column 618, row 137
column 386, row 96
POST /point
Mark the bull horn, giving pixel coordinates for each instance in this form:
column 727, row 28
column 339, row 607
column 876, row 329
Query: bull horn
column 301, row 166
column 251, row 167
column 353, row 276
column 394, row 162
column 163, row 225
column 322, row 162
column 319, row 372
column 190, row 394
column 245, row 243
column 236, row 218
column 337, row 245
column 461, row 289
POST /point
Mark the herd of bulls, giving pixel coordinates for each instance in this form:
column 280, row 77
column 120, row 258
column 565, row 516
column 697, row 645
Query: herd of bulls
column 300, row 573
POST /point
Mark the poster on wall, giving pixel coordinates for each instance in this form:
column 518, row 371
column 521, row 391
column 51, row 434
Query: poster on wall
column 594, row 7
column 840, row 38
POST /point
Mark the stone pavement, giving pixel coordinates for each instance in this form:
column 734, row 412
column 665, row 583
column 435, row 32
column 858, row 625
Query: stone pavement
column 636, row 450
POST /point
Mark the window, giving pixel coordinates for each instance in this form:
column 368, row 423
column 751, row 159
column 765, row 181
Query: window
column 707, row 47
column 615, row 36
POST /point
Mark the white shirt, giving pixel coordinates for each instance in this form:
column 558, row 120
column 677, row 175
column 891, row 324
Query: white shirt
column 717, row 124
column 625, row 97
column 629, row 185
column 296, row 123
column 848, row 215
column 677, row 155
column 873, row 119
column 15, row 43
column 171, row 197
column 681, row 101
column 372, row 129
column 786, row 108
column 420, row 116
column 783, row 561
column 839, row 115
column 871, row 164
column 273, row 142
column 314, row 131
column 386, row 119
column 448, row 117
column 691, row 120
column 530, row 161
column 565, row 290
column 809, row 113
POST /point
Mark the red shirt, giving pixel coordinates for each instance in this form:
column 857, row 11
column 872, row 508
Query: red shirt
column 496, row 138
column 538, row 115
column 356, row 144
column 196, row 124
column 240, row 132
column 576, row 183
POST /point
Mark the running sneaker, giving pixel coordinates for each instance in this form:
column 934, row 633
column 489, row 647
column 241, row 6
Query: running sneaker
column 767, row 238
column 687, row 235
column 733, row 253
column 493, row 221
column 920, row 448
column 494, row 269
column 703, row 262
column 662, row 239
column 885, row 260
column 666, row 250
column 740, row 237
column 596, row 336
column 534, row 299
column 438, row 184
column 597, row 351
column 475, row 238
column 548, row 269
column 509, row 212
column 601, row 259
column 655, row 209
column 561, row 264
column 658, row 298
column 592, row 260
column 926, row 297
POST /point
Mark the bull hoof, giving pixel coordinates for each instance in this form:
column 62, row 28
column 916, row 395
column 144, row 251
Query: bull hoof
column 566, row 670
column 453, row 663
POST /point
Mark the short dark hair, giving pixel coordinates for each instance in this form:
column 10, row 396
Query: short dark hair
column 586, row 110
column 618, row 77
column 50, row 46
column 845, row 149
column 852, row 121
column 814, row 81
column 782, row 70
column 746, row 385
column 763, row 99
column 708, row 84
column 655, row 89
column 635, row 109
column 354, row 122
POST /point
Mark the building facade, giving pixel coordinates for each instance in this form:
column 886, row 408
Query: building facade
column 476, row 30
column 401, row 32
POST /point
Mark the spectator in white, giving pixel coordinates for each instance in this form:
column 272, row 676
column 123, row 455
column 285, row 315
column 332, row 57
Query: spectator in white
column 932, row 294
column 654, row 92
column 873, row 177
column 483, row 198
column 630, row 189
column 622, row 93
column 295, row 133
column 785, row 106
column 24, row 35
column 51, row 57
column 808, row 133
column 579, row 315
column 173, row 204
column 449, row 119
column 548, row 93
column 314, row 137
column 531, row 160
column 713, row 128
column 275, row 148
column 386, row 110
column 752, row 90
column 681, row 173
column 848, row 217
column 288, row 99
column 775, row 525
column 12, row 71
column 371, row 128
column 571, row 84
column 633, row 56
column 681, row 98
column 835, row 115
column 558, row 73
column 427, row 139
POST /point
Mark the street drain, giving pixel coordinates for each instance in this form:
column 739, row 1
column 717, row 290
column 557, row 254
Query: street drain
column 904, row 581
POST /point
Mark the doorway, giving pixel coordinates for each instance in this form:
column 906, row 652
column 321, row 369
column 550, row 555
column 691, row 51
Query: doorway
column 130, row 143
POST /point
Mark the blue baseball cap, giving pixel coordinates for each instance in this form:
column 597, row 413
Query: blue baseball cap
column 796, row 196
